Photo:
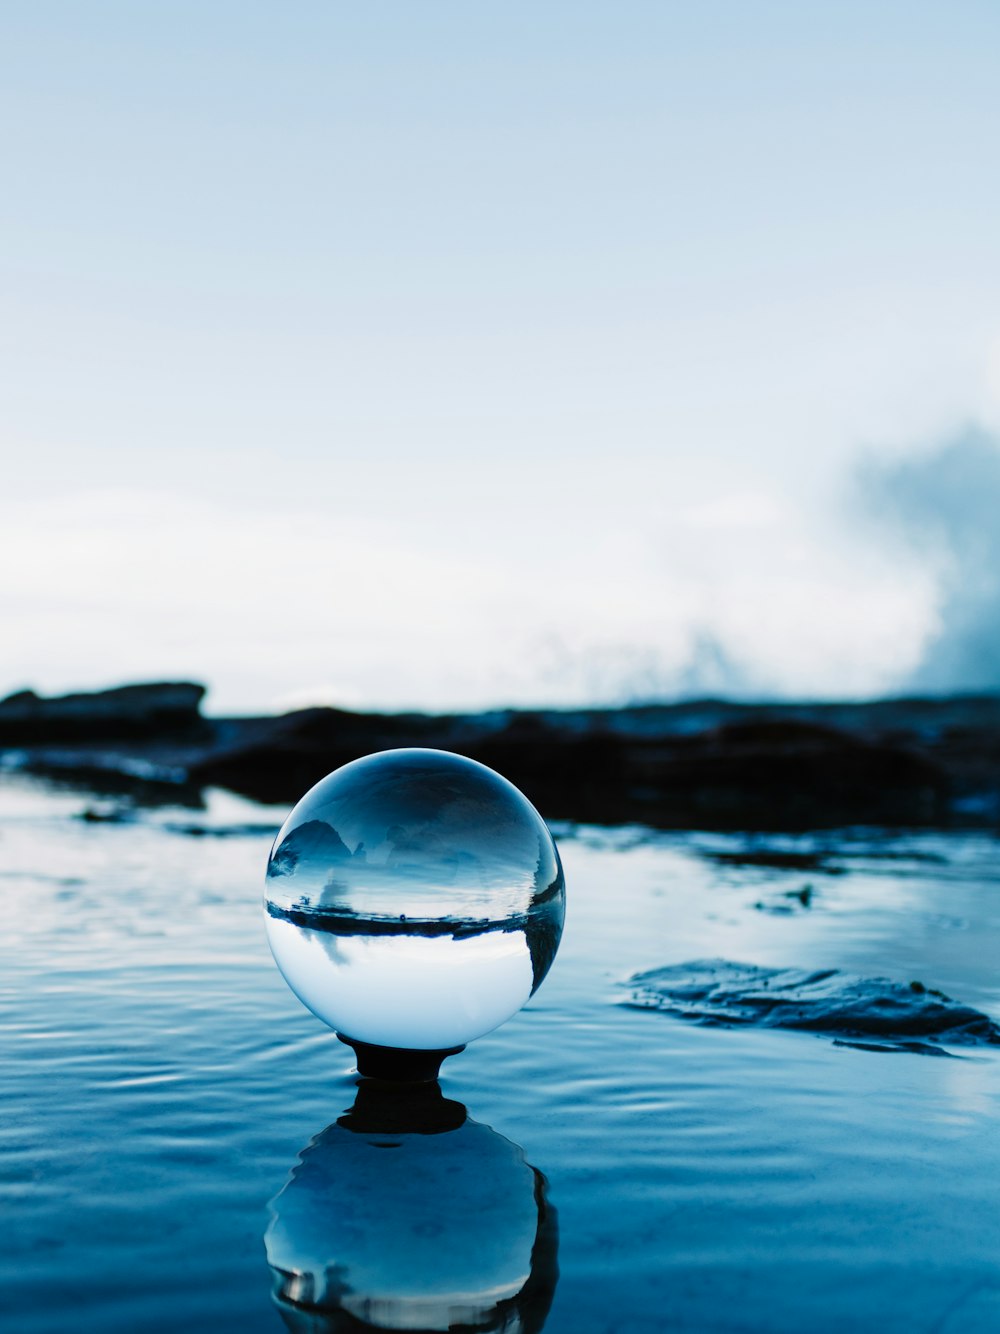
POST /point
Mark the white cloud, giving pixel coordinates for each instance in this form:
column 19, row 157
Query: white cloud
column 289, row 606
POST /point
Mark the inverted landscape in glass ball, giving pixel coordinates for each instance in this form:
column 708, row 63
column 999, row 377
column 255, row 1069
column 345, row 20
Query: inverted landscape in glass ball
column 414, row 899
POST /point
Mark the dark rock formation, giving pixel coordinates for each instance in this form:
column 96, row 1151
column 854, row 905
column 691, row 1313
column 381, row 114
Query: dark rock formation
column 278, row 759
column 698, row 765
column 26, row 719
column 776, row 859
column 777, row 773
column 868, row 1011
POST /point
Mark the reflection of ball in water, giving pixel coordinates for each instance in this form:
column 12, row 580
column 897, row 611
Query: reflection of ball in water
column 414, row 899
column 407, row 1215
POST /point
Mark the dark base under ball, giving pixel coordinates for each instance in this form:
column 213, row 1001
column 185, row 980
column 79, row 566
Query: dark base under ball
column 398, row 1065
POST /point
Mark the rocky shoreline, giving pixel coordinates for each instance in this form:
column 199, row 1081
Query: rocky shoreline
column 700, row 764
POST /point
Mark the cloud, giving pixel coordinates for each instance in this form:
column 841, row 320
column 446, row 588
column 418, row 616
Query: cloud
column 734, row 592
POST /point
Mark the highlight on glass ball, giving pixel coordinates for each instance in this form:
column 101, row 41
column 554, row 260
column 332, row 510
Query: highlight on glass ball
column 415, row 901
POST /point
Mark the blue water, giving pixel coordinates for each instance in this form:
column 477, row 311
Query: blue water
column 160, row 1083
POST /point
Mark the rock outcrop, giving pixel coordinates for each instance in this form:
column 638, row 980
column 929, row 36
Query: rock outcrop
column 865, row 1011
column 700, row 765
column 27, row 719
column 778, row 773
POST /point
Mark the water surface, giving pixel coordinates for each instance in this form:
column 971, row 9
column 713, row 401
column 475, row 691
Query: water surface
column 160, row 1083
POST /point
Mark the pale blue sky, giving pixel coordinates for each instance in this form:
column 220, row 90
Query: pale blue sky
column 423, row 353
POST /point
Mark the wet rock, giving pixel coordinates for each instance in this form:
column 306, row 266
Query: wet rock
column 777, row 860
column 278, row 759
column 788, row 902
column 106, row 815
column 562, row 772
column 113, row 774
column 248, row 829
column 27, row 719
column 894, row 1014
column 778, row 774
column 700, row 765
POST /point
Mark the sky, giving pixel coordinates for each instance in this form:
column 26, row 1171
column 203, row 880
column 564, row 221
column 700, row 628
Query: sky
column 450, row 355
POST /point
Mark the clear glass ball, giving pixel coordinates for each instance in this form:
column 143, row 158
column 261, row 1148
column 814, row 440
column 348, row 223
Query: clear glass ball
column 414, row 899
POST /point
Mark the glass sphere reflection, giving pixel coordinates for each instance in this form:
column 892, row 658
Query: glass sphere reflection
column 411, row 1216
column 414, row 899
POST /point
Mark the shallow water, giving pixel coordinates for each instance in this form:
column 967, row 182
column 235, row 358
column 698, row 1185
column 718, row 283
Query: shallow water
column 160, row 1082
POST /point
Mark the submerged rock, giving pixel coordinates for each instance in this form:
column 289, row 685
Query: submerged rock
column 899, row 1015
